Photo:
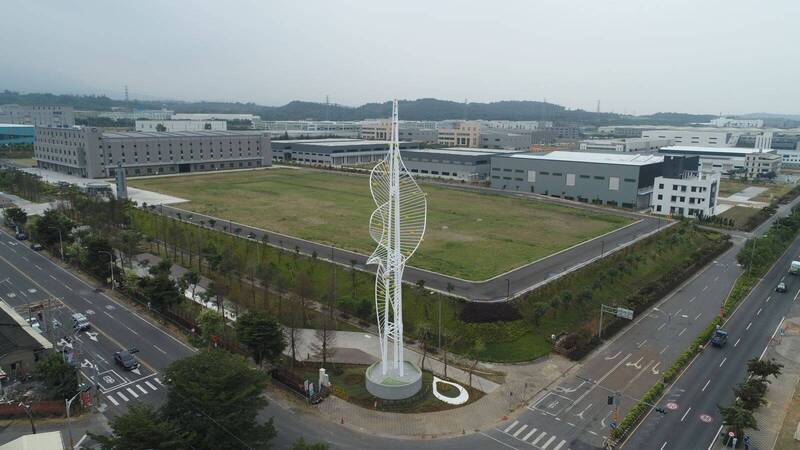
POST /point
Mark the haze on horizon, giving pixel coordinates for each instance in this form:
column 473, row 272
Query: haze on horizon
column 711, row 57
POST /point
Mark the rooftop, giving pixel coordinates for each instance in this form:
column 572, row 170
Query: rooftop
column 710, row 150
column 13, row 125
column 460, row 151
column 16, row 333
column 176, row 134
column 332, row 142
column 626, row 159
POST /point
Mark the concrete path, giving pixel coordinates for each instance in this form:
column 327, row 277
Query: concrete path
column 33, row 209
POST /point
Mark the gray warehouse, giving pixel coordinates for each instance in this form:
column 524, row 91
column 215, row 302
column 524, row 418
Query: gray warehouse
column 624, row 180
column 333, row 152
column 469, row 164
column 91, row 153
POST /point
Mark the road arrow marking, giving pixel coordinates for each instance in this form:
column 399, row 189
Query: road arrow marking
column 636, row 364
column 654, row 370
column 609, row 358
column 92, row 335
column 86, row 364
column 136, row 371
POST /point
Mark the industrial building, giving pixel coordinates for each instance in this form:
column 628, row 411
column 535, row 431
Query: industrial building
column 683, row 190
column 623, row 145
column 414, row 131
column 729, row 160
column 328, row 128
column 181, row 125
column 91, row 153
column 463, row 134
column 38, row 116
column 333, row 152
column 725, row 122
column 127, row 114
column 505, row 140
column 16, row 134
column 693, row 136
column 616, row 179
column 468, row 164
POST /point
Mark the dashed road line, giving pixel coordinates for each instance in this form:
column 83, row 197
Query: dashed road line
column 662, row 326
column 748, row 326
column 758, row 313
column 663, row 445
column 141, row 389
column 109, row 315
column 37, row 266
column 682, row 331
column 549, row 441
column 698, row 316
column 162, row 351
column 685, row 414
column 692, row 299
column 663, row 350
column 536, row 441
column 737, row 342
column 723, row 361
column 151, row 385
column 530, row 433
column 704, row 288
column 706, row 385
column 122, row 396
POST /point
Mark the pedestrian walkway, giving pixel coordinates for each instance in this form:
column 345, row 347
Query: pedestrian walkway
column 133, row 391
column 528, row 434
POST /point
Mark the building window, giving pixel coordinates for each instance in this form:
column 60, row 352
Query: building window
column 599, row 178
column 570, row 179
column 531, row 176
column 613, row 183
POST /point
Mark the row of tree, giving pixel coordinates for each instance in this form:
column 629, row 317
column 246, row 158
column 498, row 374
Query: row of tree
column 749, row 396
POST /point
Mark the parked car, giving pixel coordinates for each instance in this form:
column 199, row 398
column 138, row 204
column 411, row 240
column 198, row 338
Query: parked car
column 781, row 287
column 80, row 322
column 35, row 246
column 126, row 359
column 21, row 236
column 34, row 322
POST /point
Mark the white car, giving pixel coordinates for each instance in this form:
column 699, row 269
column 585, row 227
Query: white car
column 34, row 322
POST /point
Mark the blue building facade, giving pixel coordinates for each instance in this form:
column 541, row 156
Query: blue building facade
column 16, row 134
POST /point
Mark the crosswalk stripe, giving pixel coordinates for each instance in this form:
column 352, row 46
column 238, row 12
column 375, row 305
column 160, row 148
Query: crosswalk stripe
column 516, row 422
column 110, row 398
column 122, row 396
column 539, row 438
column 560, row 444
column 141, row 389
column 521, row 429
column 530, row 433
column 158, row 381
column 549, row 441
column 150, row 385
column 130, row 391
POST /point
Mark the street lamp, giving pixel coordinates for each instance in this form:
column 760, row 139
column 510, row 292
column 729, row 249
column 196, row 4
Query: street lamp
column 60, row 241
column 110, row 264
column 508, row 289
column 69, row 404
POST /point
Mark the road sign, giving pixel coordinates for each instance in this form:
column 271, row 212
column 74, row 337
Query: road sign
column 613, row 425
column 625, row 313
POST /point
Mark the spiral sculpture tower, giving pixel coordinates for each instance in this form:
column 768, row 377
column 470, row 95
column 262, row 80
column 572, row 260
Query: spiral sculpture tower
column 397, row 226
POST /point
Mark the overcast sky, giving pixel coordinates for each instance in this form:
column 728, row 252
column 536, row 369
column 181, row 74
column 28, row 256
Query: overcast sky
column 635, row 56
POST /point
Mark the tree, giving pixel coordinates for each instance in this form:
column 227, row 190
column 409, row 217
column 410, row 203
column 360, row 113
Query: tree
column 60, row 378
column 159, row 290
column 738, row 418
column 216, row 397
column 424, row 331
column 301, row 444
column 191, row 278
column 211, row 324
column 94, row 256
column 751, row 393
column 326, row 339
column 764, row 368
column 266, row 275
column 142, row 426
column 262, row 335
column 129, row 241
column 48, row 226
column 478, row 347
column 16, row 216
column 292, row 330
column 160, row 127
column 304, row 290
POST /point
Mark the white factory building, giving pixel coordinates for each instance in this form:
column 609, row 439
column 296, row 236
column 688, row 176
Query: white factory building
column 682, row 190
column 623, row 145
column 181, row 125
column 730, row 160
column 693, row 136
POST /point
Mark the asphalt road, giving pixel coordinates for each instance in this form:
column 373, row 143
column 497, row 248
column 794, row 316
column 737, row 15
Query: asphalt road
column 498, row 288
column 708, row 382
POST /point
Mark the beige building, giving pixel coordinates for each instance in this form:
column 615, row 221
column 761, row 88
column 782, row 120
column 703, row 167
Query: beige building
column 465, row 134
column 379, row 130
column 759, row 164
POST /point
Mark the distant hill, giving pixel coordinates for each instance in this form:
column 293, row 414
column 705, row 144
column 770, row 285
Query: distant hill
column 421, row 109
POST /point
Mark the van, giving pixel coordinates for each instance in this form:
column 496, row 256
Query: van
column 80, row 322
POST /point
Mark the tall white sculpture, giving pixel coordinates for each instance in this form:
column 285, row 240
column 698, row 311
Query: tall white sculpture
column 397, row 225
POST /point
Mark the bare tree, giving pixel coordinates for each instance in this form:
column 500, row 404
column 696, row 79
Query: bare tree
column 292, row 330
column 423, row 334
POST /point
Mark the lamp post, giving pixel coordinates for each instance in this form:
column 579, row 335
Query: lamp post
column 60, row 242
column 508, row 289
column 69, row 421
column 110, row 265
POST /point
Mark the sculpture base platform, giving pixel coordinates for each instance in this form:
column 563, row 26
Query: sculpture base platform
column 392, row 386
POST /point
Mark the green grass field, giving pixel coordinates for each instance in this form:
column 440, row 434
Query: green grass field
column 470, row 235
column 729, row 187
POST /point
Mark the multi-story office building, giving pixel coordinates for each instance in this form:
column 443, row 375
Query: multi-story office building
column 566, row 132
column 684, row 191
column 505, row 140
column 181, row 125
column 782, row 140
column 464, row 134
column 724, row 122
column 146, row 114
column 728, row 160
column 623, row 145
column 91, row 153
column 517, row 126
column 38, row 116
column 621, row 131
column 312, row 128
column 693, row 137
column 381, row 130
column 468, row 164
column 789, row 158
column 16, row 134
column 762, row 164
column 617, row 179
column 333, row 152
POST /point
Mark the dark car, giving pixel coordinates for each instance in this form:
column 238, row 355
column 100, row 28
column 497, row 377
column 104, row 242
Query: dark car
column 36, row 246
column 126, row 359
column 781, row 287
column 21, row 236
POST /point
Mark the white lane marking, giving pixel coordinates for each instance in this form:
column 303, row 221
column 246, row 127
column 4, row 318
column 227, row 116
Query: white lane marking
column 558, row 419
column 111, row 399
column 132, row 392
column 706, row 385
column 677, row 312
column 685, row 414
column 778, row 327
column 758, row 313
column 663, row 445
column 763, row 352
column 497, row 440
column 783, row 277
column 529, row 434
column 87, row 300
column 682, row 331
column 704, row 288
column 737, row 342
column 539, row 438
column 158, row 381
column 692, row 299
column 549, row 441
column 51, row 276
column 769, row 298
column 713, row 441
column 560, row 444
column 109, row 315
column 662, row 351
column 716, row 278
column 609, row 358
column 519, row 430
column 600, row 381
column 141, row 389
column 65, row 285
column 26, row 258
column 723, row 361
column 516, row 422
column 748, row 326
column 122, row 396
column 642, row 343
column 662, row 326
column 151, row 385
column 129, row 329
column 570, row 424
column 37, row 266
column 698, row 316
column 162, row 351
